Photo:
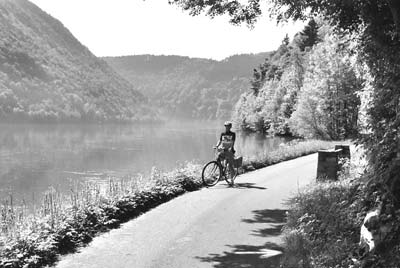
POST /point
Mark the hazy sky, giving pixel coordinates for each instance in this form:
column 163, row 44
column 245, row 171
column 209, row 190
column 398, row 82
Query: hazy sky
column 132, row 27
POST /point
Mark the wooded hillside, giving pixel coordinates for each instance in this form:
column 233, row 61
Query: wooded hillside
column 47, row 74
column 309, row 87
column 190, row 87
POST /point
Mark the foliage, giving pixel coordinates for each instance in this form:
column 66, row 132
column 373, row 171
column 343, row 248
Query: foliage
column 270, row 101
column 326, row 218
column 327, row 105
column 238, row 11
column 47, row 75
column 308, row 37
column 309, row 93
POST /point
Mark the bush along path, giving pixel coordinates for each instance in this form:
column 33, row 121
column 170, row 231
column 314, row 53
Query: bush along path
column 64, row 223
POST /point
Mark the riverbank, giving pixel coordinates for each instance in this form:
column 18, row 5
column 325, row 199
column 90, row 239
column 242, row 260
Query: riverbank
column 324, row 222
column 64, row 223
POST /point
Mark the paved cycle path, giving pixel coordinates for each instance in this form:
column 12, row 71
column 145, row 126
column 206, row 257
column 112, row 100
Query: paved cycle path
column 213, row 227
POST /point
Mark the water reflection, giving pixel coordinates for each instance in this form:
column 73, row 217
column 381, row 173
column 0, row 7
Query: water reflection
column 33, row 157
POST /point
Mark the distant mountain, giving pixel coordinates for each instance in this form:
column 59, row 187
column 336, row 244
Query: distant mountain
column 190, row 87
column 47, row 74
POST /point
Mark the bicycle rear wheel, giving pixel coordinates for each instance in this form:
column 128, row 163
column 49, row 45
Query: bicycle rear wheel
column 211, row 173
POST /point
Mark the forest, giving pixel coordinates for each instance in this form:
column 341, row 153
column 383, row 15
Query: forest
column 189, row 87
column 309, row 87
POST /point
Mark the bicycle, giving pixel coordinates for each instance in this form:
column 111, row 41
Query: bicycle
column 217, row 169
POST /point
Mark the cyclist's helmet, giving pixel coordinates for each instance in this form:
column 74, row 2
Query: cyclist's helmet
column 228, row 123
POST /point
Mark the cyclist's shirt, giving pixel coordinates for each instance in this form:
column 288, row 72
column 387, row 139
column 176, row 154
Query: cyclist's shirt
column 227, row 139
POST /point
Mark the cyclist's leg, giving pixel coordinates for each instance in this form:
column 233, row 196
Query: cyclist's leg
column 229, row 156
column 221, row 157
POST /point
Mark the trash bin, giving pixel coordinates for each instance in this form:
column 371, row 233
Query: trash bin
column 238, row 161
column 328, row 164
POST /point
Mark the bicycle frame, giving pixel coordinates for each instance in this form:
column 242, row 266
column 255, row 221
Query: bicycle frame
column 222, row 162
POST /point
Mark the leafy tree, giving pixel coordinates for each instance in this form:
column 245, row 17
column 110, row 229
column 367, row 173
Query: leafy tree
column 273, row 67
column 275, row 85
column 347, row 14
column 292, row 81
column 239, row 12
column 328, row 105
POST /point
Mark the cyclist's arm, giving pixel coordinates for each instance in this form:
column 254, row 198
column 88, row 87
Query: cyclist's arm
column 219, row 142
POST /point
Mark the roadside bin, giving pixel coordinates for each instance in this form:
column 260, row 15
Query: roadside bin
column 238, row 161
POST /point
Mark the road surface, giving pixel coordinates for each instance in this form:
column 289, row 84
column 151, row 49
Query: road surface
column 213, row 227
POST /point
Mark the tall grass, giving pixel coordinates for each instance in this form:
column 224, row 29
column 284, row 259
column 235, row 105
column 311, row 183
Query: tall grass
column 63, row 222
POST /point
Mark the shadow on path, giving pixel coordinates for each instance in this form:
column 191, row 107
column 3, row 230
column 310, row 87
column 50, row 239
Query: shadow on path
column 243, row 256
column 273, row 218
column 267, row 216
column 248, row 185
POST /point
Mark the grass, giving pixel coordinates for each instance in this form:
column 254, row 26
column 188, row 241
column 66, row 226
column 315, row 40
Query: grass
column 62, row 223
column 323, row 226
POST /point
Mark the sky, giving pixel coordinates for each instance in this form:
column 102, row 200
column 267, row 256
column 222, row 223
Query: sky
column 134, row 27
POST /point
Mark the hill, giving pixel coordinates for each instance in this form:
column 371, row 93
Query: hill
column 189, row 87
column 47, row 74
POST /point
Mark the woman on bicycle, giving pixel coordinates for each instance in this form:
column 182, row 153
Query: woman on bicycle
column 226, row 145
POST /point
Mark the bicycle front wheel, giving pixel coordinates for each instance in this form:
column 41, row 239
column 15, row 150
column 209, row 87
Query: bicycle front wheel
column 211, row 173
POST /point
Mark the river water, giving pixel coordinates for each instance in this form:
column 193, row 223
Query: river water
column 34, row 157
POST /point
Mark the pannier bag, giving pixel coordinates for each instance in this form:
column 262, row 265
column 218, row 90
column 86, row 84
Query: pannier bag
column 238, row 162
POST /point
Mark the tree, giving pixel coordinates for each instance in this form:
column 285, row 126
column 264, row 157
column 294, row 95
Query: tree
column 308, row 37
column 328, row 103
column 292, row 81
column 238, row 12
column 256, row 82
column 347, row 14
column 286, row 40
